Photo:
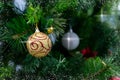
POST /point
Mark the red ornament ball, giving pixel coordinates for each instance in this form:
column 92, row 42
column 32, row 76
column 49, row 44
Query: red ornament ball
column 114, row 78
column 87, row 53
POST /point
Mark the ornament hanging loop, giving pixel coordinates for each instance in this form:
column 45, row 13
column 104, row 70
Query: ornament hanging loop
column 70, row 24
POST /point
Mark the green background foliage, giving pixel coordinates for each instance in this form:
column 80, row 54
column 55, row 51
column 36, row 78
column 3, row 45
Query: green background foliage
column 60, row 64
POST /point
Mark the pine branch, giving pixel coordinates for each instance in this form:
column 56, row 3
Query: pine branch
column 97, row 73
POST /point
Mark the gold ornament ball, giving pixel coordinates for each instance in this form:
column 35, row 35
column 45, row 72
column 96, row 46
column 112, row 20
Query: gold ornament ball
column 50, row 30
column 39, row 44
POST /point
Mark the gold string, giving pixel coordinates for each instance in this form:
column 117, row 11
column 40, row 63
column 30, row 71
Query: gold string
column 36, row 25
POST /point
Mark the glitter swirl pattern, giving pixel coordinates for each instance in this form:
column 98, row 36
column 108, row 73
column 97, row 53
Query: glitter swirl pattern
column 39, row 44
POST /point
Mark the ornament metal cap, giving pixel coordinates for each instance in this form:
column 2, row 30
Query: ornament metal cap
column 37, row 29
column 71, row 30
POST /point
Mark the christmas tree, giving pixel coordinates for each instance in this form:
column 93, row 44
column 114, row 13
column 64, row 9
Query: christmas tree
column 59, row 40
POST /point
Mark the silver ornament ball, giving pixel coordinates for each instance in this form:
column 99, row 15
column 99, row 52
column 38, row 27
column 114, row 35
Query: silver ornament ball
column 52, row 37
column 70, row 40
column 2, row 45
column 19, row 6
column 18, row 67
